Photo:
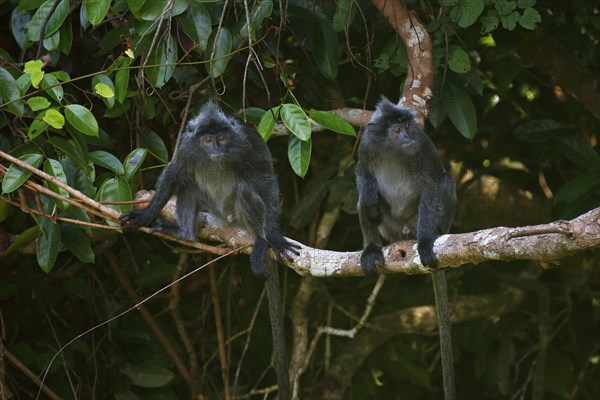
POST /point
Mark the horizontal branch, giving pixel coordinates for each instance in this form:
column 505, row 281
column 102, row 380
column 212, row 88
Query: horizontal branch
column 354, row 116
column 547, row 242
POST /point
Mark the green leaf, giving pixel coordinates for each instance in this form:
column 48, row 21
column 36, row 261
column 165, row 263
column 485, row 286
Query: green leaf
column 165, row 55
column 38, row 103
column 461, row 110
column 267, row 122
column 54, row 119
column 509, row 21
column 51, row 85
column 525, row 3
column 122, row 79
column 530, row 18
column 261, row 9
column 82, row 119
column 104, row 90
column 540, row 130
column 296, row 120
column 54, row 168
column 299, row 152
column 18, row 22
column 151, row 10
column 108, row 161
column 66, row 37
column 51, row 42
column 469, row 11
column 16, row 176
column 34, row 69
column 488, row 24
column 48, row 242
column 148, row 376
column 9, row 92
column 332, row 122
column 77, row 242
column 344, row 15
column 459, row 61
column 133, row 162
column 115, row 190
column 36, row 128
column 27, row 236
column 197, row 24
column 71, row 151
column 325, row 48
column 219, row 42
column 96, row 10
column 155, row 145
column 505, row 7
column 52, row 24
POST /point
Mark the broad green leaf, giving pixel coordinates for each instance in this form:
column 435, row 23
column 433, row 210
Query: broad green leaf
column 459, row 61
column 9, row 92
column 155, row 145
column 77, row 242
column 469, row 11
column 509, row 21
column 525, row 3
column 104, row 90
column 219, row 43
column 108, row 161
column 27, row 236
column 122, row 79
column 61, row 76
column 267, row 122
column 115, row 190
column 164, row 55
column 505, row 7
column 82, row 119
column 36, row 128
column 51, row 85
column 147, row 376
column 66, row 36
column 51, row 42
column 576, row 188
column 16, row 176
column 133, row 162
column 54, row 168
column 540, row 130
column 69, row 150
column 461, row 110
column 52, row 24
column 34, row 69
column 296, row 121
column 530, row 18
column 18, row 21
column 488, row 24
column 48, row 242
column 332, row 122
column 96, row 10
column 344, row 15
column 38, row 103
column 299, row 152
column 78, row 179
column 196, row 22
column 325, row 48
column 151, row 10
column 54, row 119
column 5, row 210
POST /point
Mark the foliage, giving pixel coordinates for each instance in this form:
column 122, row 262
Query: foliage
column 93, row 92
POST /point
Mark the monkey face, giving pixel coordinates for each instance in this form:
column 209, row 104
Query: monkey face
column 215, row 145
column 400, row 134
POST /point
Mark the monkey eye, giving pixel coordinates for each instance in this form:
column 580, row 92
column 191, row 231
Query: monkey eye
column 397, row 130
column 208, row 140
column 221, row 138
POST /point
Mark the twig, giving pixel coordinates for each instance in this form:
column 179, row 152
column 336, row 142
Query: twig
column 220, row 335
column 28, row 373
column 38, row 53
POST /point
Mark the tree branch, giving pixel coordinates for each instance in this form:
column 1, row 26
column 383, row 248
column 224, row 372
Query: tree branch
column 546, row 242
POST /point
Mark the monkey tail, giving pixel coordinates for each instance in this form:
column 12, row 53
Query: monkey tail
column 442, row 308
column 277, row 329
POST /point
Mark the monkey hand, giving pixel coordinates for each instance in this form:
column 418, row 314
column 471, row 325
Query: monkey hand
column 371, row 259
column 428, row 258
column 136, row 219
